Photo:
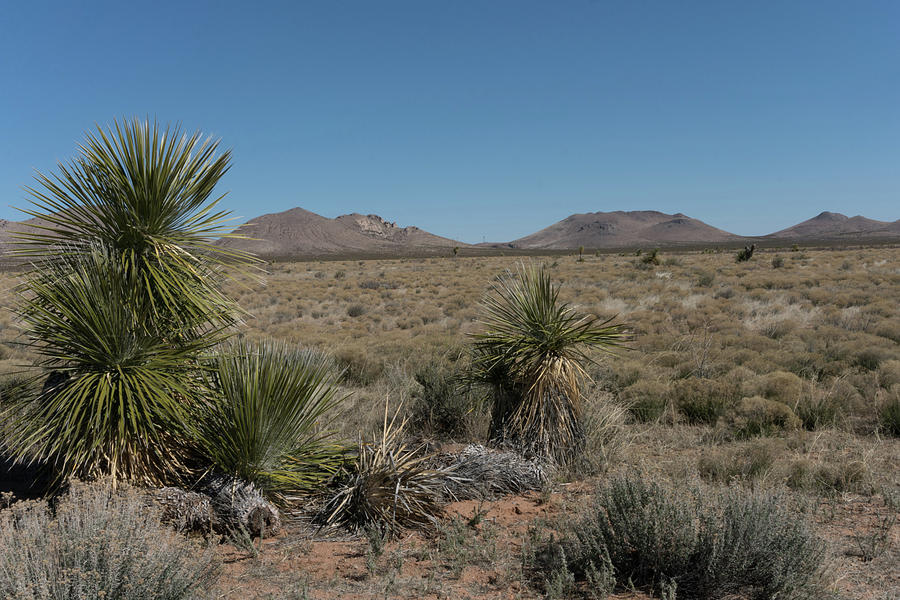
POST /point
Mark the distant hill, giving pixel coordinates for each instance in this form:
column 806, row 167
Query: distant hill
column 622, row 229
column 7, row 242
column 829, row 225
column 299, row 232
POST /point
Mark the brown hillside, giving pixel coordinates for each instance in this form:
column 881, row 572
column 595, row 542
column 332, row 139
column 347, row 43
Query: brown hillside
column 299, row 232
column 835, row 225
column 623, row 229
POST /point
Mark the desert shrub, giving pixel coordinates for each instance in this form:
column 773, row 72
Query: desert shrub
column 889, row 412
column 646, row 400
column 817, row 409
column 743, row 464
column 830, row 478
column 777, row 262
column 760, row 416
column 710, row 544
column 889, row 328
column 388, row 487
column 98, row 544
column 444, row 406
column 888, row 374
column 356, row 310
column 781, row 386
column 705, row 279
column 703, row 401
column 725, row 293
column 358, row 366
column 267, row 419
column 869, row 359
column 13, row 389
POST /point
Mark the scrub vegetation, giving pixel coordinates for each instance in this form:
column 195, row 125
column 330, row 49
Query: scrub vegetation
column 696, row 426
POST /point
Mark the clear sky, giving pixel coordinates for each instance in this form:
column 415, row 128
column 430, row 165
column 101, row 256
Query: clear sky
column 480, row 119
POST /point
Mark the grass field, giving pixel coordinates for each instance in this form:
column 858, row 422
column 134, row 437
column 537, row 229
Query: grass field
column 780, row 373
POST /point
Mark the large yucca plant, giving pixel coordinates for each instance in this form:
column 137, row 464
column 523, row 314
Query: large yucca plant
column 532, row 354
column 267, row 421
column 122, row 302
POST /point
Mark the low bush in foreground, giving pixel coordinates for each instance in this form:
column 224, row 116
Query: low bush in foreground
column 97, row 544
column 693, row 543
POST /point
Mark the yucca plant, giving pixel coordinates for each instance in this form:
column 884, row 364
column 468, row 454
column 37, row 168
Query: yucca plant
column 389, row 487
column 267, row 421
column 532, row 354
column 116, row 401
column 143, row 193
column 122, row 303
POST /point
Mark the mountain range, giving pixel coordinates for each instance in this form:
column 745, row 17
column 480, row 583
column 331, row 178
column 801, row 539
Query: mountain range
column 301, row 233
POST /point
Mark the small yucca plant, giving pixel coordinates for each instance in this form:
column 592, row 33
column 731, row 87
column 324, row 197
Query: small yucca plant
column 389, row 487
column 532, row 353
column 267, row 421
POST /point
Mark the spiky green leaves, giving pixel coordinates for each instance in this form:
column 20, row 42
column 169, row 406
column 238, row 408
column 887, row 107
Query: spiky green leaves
column 267, row 421
column 121, row 383
column 142, row 193
column 532, row 352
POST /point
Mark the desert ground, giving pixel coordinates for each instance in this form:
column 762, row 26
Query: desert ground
column 780, row 373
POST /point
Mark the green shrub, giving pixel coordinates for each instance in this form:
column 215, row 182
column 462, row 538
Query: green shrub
column 703, row 401
column 98, row 544
column 646, row 400
column 651, row 258
column 704, row 544
column 777, row 262
column 745, row 253
column 760, row 416
column 356, row 310
column 444, row 407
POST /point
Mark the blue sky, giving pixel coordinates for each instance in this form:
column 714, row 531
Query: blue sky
column 481, row 119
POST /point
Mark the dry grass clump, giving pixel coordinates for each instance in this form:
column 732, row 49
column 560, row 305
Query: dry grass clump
column 390, row 486
column 98, row 543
